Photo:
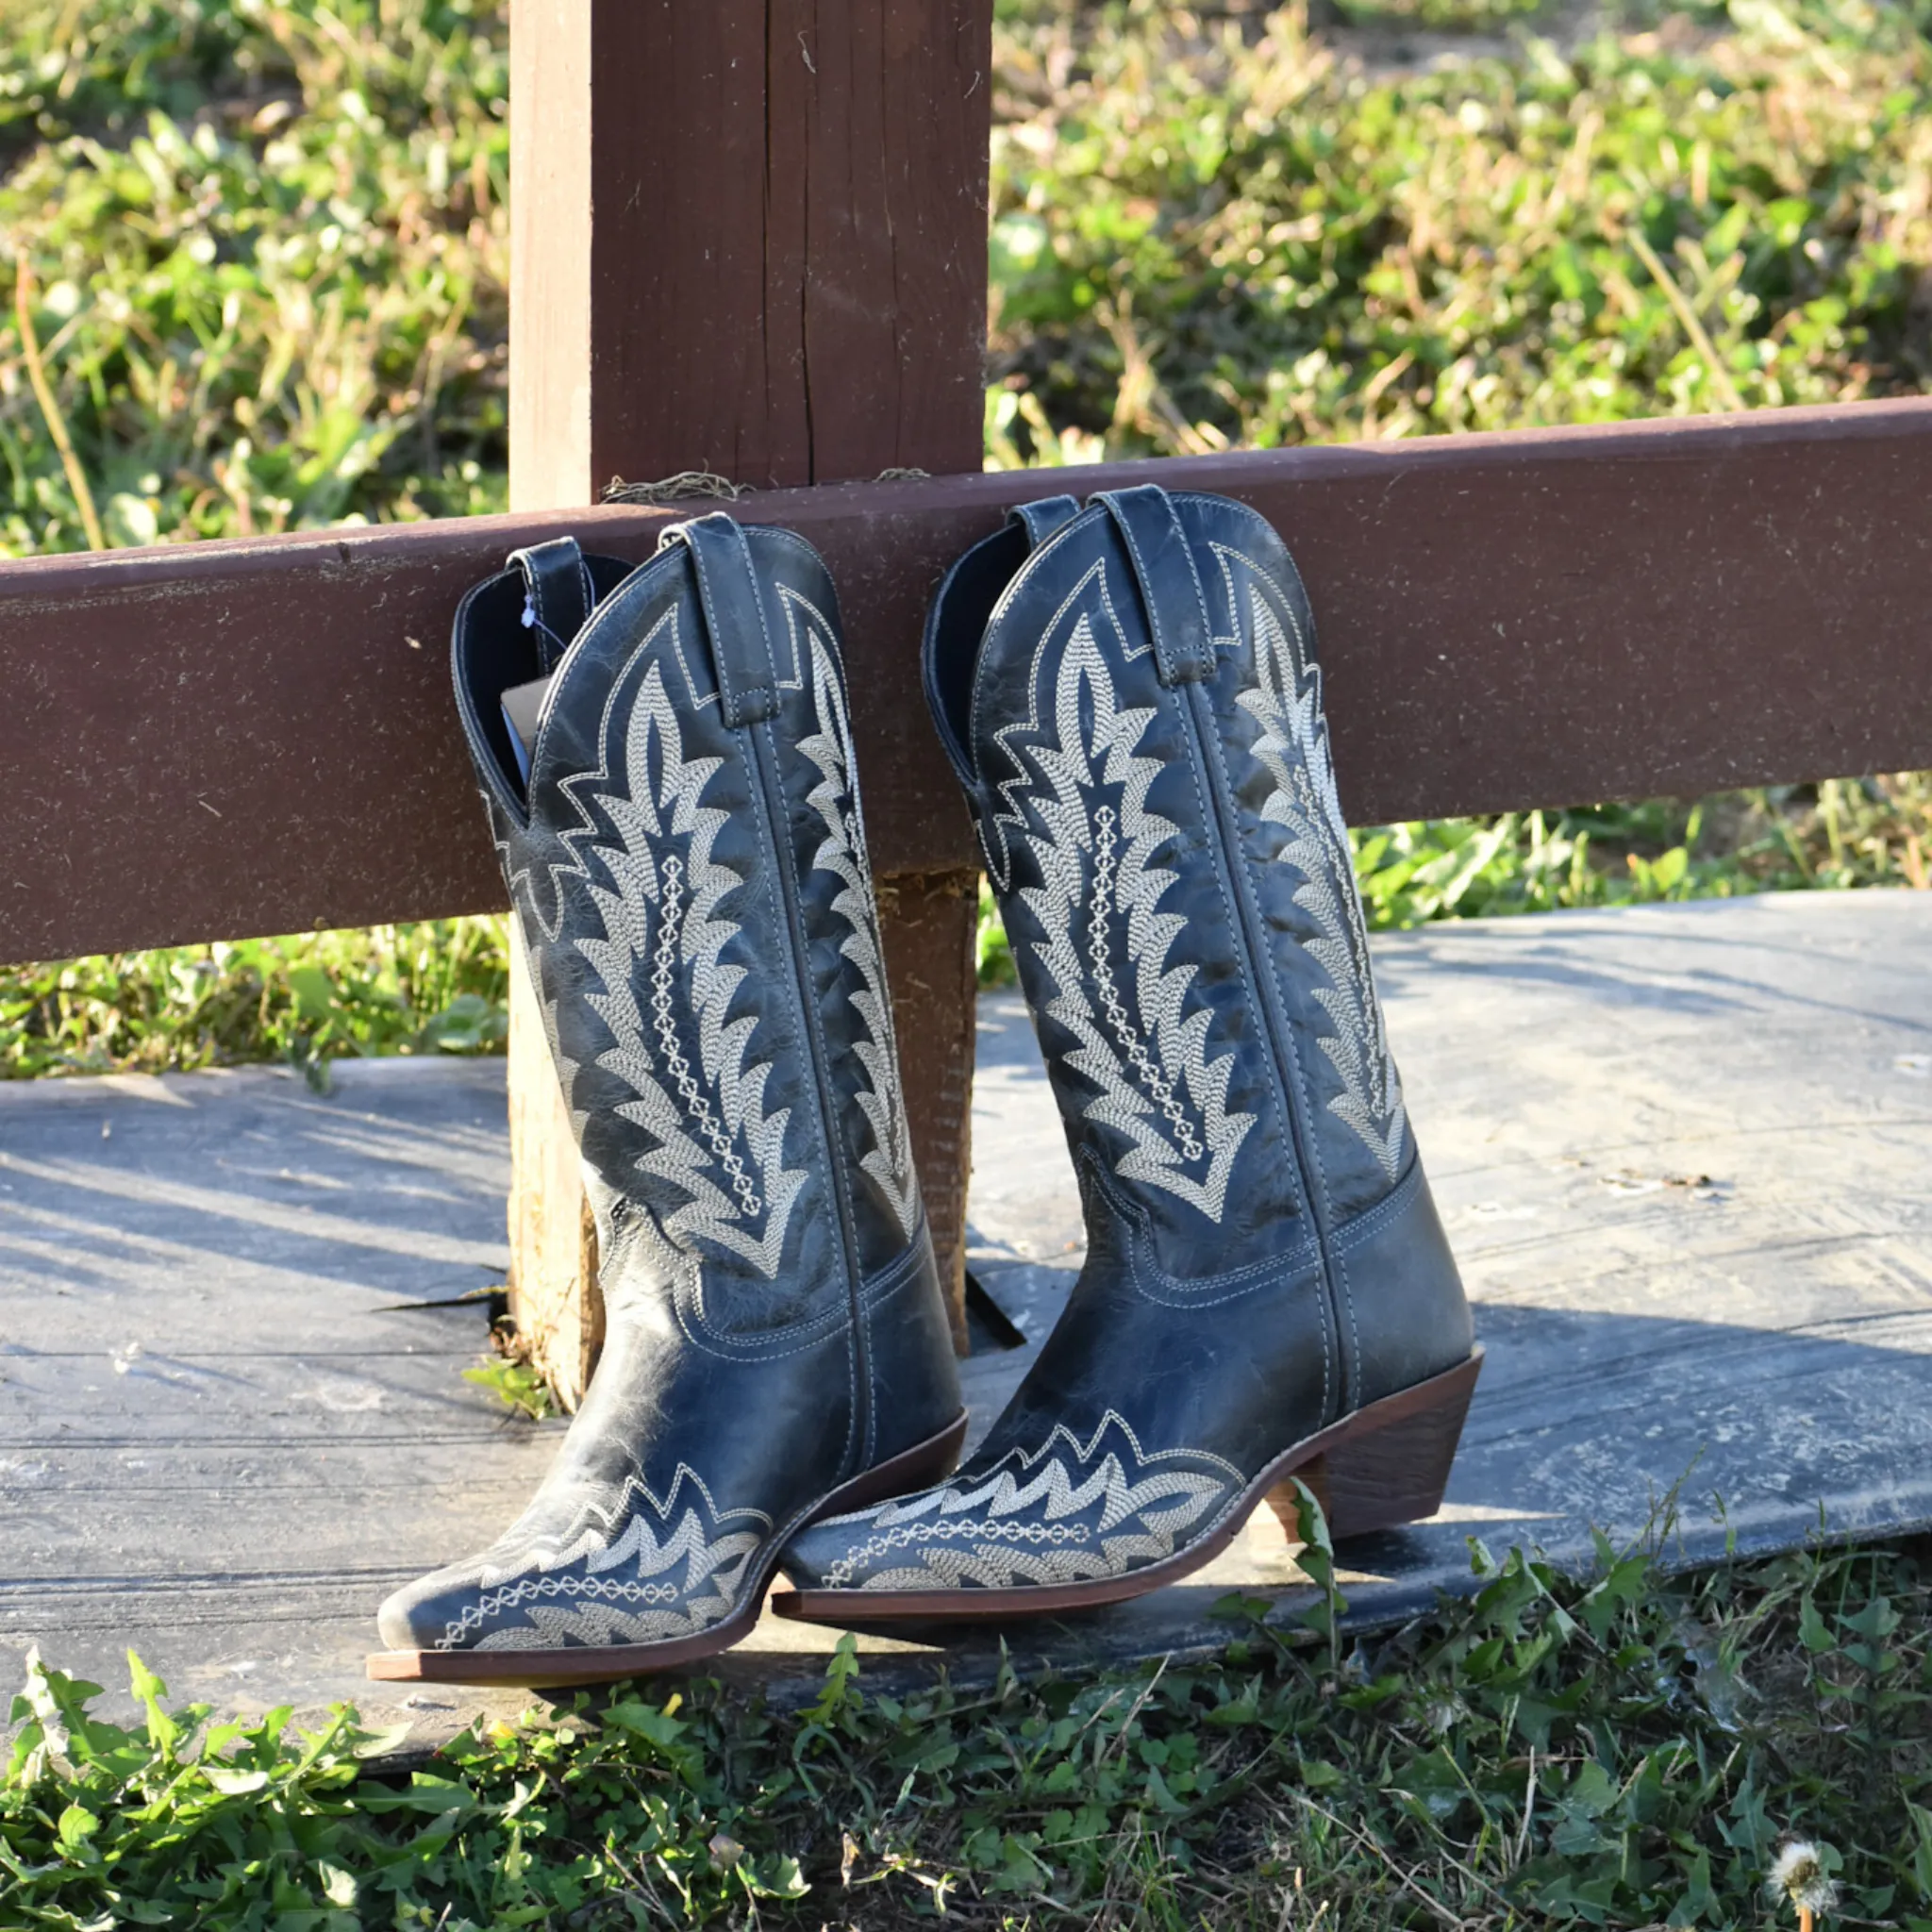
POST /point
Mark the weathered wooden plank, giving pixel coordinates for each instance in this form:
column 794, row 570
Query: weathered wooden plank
column 226, row 1431
column 234, row 1418
column 255, row 736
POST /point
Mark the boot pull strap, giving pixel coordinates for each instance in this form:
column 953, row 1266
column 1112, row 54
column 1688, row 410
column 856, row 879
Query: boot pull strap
column 1042, row 518
column 1163, row 565
column 558, row 595
column 734, row 617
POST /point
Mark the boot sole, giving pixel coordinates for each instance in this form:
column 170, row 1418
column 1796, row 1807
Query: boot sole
column 918, row 1468
column 1385, row 1464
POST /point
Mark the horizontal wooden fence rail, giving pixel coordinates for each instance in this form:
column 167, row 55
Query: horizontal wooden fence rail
column 241, row 738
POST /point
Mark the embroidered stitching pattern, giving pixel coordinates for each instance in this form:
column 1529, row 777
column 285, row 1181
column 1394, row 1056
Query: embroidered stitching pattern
column 1144, row 1059
column 1156, row 1082
column 571, row 1570
column 1084, row 1510
column 530, row 1588
column 691, row 990
column 521, row 884
column 663, row 976
column 1286, row 701
column 842, row 853
column 992, row 824
column 913, row 1534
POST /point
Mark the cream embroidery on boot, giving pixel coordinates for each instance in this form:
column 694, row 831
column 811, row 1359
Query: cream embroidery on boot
column 1098, row 904
column 676, row 1568
column 842, row 854
column 1066, row 1512
column 1286, row 701
column 665, row 989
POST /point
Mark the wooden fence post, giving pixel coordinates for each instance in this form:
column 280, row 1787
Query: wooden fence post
column 750, row 239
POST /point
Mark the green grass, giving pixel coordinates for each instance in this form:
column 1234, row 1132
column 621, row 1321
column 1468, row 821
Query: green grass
column 434, row 986
column 261, row 251
column 1207, row 234
column 1629, row 1749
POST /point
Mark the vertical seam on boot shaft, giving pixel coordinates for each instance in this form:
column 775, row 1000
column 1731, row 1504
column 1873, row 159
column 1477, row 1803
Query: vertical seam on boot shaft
column 762, row 698
column 1221, row 858
column 1194, row 703
column 1334, row 1263
column 764, row 749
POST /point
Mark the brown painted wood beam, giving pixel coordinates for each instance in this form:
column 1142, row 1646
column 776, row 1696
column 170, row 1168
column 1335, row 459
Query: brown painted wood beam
column 256, row 735
column 750, row 236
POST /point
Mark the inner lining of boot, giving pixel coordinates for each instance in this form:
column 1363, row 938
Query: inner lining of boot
column 982, row 574
column 503, row 652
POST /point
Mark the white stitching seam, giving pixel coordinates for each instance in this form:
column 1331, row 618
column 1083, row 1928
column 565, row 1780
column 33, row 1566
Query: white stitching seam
column 1209, row 821
column 1168, row 1290
column 1370, row 1224
column 778, row 842
column 802, row 1336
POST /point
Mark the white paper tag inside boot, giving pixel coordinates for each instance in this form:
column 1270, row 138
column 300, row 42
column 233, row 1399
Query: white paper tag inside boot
column 520, row 704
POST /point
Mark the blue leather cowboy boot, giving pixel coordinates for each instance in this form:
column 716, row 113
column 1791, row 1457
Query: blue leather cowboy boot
column 1130, row 696
column 689, row 877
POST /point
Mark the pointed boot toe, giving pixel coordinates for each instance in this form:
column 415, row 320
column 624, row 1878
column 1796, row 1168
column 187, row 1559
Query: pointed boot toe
column 677, row 814
column 416, row 1617
column 1130, row 695
column 819, row 1556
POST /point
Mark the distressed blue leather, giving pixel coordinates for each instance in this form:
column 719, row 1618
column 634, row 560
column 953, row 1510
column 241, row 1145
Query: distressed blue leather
column 1132, row 700
column 689, row 881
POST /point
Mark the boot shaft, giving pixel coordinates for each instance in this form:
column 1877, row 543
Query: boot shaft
column 1132, row 698
column 689, row 877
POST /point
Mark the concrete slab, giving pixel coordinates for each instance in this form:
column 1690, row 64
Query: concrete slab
column 1685, row 1154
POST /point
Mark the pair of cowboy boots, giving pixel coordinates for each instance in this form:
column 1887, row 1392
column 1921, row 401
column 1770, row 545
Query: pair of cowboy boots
column 1130, row 697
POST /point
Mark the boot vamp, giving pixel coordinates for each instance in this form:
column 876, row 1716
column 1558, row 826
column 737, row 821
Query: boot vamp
column 678, row 1478
column 1153, row 1405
